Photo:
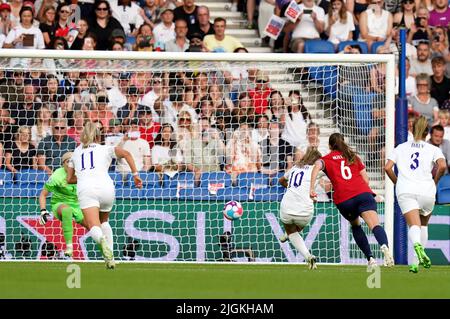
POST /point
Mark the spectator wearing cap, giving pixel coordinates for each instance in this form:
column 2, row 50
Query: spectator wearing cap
column 148, row 128
column 165, row 30
column 180, row 43
column 25, row 35
column 100, row 111
column 261, row 93
column 5, row 20
column 63, row 24
column 129, row 14
column 82, row 28
column 219, row 42
column 103, row 24
column 138, row 147
column 188, row 13
column 150, row 12
column 196, row 43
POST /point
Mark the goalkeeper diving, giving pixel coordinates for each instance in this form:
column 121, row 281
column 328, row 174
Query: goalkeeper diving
column 64, row 203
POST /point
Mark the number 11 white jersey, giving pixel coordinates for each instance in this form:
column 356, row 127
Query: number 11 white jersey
column 296, row 200
column 415, row 162
column 91, row 165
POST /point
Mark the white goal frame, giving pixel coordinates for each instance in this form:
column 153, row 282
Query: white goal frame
column 388, row 59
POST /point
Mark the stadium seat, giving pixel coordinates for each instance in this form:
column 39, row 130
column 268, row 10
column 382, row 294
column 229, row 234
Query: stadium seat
column 158, row 193
column 117, row 178
column 270, row 194
column 197, row 193
column 149, row 179
column 327, row 76
column 30, row 178
column 127, row 192
column 215, row 178
column 362, row 45
column 319, row 46
column 274, row 178
column 239, row 194
column 184, row 179
column 443, row 190
column 258, row 180
column 375, row 46
column 6, row 178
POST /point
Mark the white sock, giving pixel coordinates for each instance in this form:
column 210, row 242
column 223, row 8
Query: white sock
column 424, row 235
column 96, row 234
column 299, row 244
column 414, row 234
column 107, row 231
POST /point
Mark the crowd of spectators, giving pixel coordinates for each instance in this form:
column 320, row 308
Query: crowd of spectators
column 229, row 120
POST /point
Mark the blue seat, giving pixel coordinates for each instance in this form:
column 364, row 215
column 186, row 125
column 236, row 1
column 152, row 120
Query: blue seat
column 362, row 45
column 6, row 178
column 327, row 76
column 158, row 193
column 375, row 46
column 215, row 178
column 256, row 179
column 272, row 194
column 185, row 179
column 30, row 178
column 443, row 190
column 197, row 193
column 149, row 179
column 318, row 46
column 233, row 193
column 117, row 178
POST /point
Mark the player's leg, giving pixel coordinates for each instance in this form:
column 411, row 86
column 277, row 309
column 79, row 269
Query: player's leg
column 106, row 229
column 297, row 240
column 65, row 214
column 371, row 219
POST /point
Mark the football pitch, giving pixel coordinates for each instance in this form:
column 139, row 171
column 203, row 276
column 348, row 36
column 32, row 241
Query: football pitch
column 224, row 281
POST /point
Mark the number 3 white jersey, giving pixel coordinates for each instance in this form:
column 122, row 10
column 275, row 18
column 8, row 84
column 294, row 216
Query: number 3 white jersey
column 296, row 200
column 415, row 162
column 91, row 165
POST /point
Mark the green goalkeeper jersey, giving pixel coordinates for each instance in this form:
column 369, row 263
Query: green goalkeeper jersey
column 62, row 192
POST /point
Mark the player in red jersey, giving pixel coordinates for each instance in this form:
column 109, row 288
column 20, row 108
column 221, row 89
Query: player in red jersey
column 352, row 195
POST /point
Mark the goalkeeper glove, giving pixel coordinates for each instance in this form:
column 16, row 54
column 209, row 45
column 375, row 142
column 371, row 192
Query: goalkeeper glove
column 44, row 216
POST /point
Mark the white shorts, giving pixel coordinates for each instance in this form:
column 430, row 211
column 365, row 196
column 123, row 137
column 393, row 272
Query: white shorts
column 101, row 198
column 409, row 202
column 293, row 219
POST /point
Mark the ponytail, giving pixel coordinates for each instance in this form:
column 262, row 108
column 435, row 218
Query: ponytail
column 337, row 143
column 311, row 156
column 90, row 134
column 420, row 128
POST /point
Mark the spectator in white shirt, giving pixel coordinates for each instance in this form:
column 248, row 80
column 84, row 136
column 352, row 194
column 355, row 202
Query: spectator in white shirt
column 339, row 24
column 309, row 25
column 165, row 30
column 128, row 14
column 25, row 35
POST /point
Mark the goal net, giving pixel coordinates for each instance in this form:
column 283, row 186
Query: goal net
column 204, row 129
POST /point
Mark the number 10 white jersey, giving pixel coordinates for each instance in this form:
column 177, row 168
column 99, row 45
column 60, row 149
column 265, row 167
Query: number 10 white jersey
column 91, row 165
column 415, row 162
column 296, row 200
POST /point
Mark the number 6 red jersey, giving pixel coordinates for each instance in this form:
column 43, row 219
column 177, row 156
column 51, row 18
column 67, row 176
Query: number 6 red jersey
column 346, row 179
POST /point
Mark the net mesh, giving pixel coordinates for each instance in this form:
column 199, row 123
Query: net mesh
column 209, row 133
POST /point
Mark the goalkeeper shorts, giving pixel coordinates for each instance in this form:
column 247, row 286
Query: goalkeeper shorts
column 77, row 213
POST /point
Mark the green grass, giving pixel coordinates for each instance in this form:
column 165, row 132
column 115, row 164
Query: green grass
column 132, row 280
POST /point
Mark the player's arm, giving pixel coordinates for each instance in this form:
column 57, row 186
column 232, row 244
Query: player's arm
column 364, row 175
column 283, row 181
column 318, row 166
column 388, row 168
column 43, row 205
column 440, row 169
column 121, row 153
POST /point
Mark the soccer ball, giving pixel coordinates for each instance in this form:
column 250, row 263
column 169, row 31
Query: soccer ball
column 233, row 210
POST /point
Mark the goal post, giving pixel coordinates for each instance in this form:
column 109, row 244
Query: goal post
column 177, row 216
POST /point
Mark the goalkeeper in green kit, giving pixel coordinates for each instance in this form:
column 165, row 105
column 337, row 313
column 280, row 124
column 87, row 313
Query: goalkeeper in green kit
column 64, row 202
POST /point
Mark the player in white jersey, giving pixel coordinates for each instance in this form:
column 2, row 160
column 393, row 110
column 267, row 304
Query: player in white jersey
column 297, row 208
column 415, row 186
column 88, row 168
